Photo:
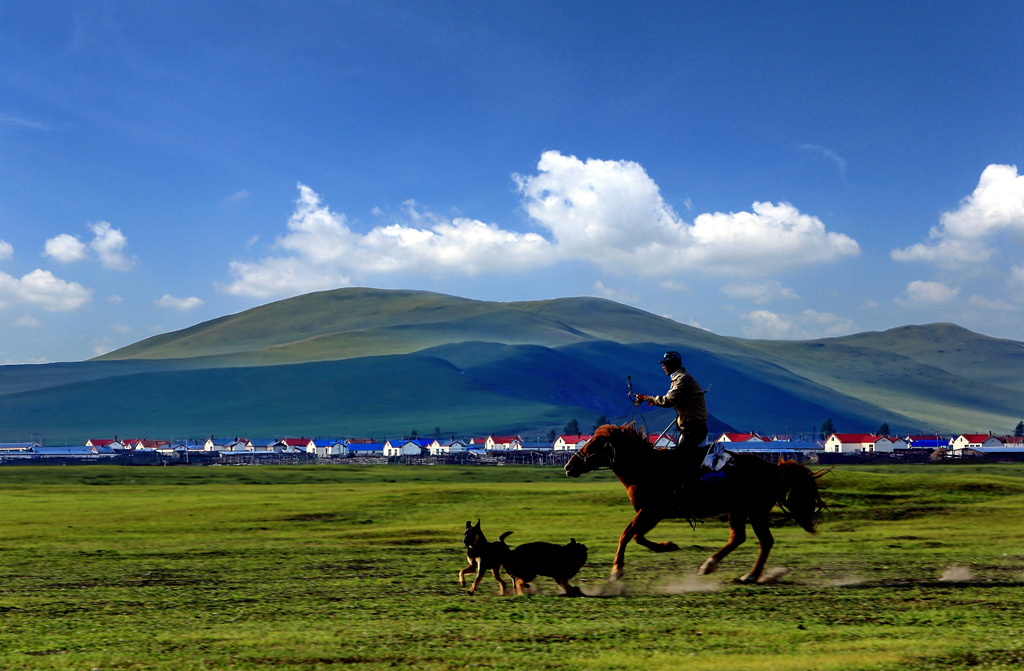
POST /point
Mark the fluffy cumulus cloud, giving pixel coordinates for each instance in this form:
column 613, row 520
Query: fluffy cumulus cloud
column 173, row 303
column 324, row 252
column 66, row 249
column 109, row 245
column 801, row 326
column 966, row 235
column 612, row 213
column 922, row 293
column 42, row 289
column 608, row 213
column 6, row 250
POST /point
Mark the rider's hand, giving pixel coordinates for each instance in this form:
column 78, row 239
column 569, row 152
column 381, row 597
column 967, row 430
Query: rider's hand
column 640, row 398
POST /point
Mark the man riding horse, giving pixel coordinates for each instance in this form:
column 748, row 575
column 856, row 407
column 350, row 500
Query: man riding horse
column 687, row 397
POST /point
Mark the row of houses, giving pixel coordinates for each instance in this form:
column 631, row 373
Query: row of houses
column 321, row 448
column 965, row 444
column 777, row 447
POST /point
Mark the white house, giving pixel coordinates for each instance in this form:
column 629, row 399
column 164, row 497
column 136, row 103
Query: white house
column 303, row 444
column 740, row 438
column 226, row 444
column 852, row 443
column 441, row 447
column 329, row 448
column 404, row 448
column 504, row 443
column 982, row 442
column 570, row 442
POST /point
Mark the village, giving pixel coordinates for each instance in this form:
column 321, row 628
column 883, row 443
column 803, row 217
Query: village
column 500, row 449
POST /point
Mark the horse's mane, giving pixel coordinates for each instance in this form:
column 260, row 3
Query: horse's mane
column 626, row 435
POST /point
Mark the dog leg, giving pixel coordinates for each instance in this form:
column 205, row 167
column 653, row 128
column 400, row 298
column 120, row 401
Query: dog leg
column 468, row 569
column 568, row 590
column 479, row 577
column 496, row 571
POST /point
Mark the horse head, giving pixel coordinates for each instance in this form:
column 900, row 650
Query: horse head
column 599, row 451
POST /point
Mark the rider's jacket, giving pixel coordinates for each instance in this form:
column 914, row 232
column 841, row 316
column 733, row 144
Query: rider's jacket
column 686, row 396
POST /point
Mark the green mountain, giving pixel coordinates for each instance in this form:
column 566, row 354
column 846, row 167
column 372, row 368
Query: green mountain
column 368, row 362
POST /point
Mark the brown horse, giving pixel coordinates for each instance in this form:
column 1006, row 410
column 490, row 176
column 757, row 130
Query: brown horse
column 748, row 490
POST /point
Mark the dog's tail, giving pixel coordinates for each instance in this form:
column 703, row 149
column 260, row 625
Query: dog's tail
column 504, row 536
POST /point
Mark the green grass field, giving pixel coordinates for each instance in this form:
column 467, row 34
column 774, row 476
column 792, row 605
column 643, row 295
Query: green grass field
column 916, row 567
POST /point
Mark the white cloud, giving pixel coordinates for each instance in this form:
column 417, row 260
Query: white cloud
column 612, row 213
column 65, row 249
column 110, row 244
column 41, row 288
column 618, row 295
column 324, row 250
column 281, row 276
column 804, row 325
column 608, row 213
column 920, row 292
column 6, row 250
column 830, row 155
column 241, row 194
column 759, row 292
column 183, row 304
column 965, row 235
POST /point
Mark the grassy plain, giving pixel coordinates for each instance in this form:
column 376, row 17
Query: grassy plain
column 916, row 567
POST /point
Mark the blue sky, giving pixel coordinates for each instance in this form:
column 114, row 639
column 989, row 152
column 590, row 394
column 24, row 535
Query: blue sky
column 779, row 170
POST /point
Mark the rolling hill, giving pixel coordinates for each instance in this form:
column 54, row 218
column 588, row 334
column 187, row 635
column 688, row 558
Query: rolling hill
column 382, row 363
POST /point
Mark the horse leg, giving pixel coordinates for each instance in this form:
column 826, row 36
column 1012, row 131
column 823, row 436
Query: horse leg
column 737, row 534
column 667, row 546
column 765, row 541
column 641, row 523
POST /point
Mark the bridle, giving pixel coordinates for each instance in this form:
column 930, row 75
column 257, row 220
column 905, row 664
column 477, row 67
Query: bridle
column 584, row 457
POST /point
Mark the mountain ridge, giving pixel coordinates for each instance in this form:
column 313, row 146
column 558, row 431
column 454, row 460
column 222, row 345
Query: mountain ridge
column 308, row 364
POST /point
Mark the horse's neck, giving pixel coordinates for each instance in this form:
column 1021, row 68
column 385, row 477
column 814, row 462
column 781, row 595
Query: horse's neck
column 633, row 466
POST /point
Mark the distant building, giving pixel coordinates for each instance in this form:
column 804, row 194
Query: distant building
column 442, row 447
column 406, row 448
column 741, row 438
column 571, row 442
column 366, row 449
column 329, row 448
column 504, row 443
column 852, row 443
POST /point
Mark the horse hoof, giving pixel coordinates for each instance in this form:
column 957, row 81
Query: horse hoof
column 747, row 579
column 709, row 566
column 616, row 575
column 669, row 546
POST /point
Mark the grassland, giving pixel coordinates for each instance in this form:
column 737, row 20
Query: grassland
column 917, row 567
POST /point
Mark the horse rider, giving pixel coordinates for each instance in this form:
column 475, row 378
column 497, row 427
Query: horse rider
column 687, row 397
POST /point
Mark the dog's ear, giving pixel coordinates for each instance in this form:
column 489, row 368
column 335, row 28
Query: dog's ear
column 469, row 525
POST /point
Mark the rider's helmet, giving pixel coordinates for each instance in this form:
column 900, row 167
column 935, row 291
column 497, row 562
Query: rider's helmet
column 672, row 360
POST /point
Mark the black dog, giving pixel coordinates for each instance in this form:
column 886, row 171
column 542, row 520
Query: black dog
column 560, row 562
column 483, row 556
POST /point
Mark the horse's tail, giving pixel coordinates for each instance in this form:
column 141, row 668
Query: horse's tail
column 800, row 496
